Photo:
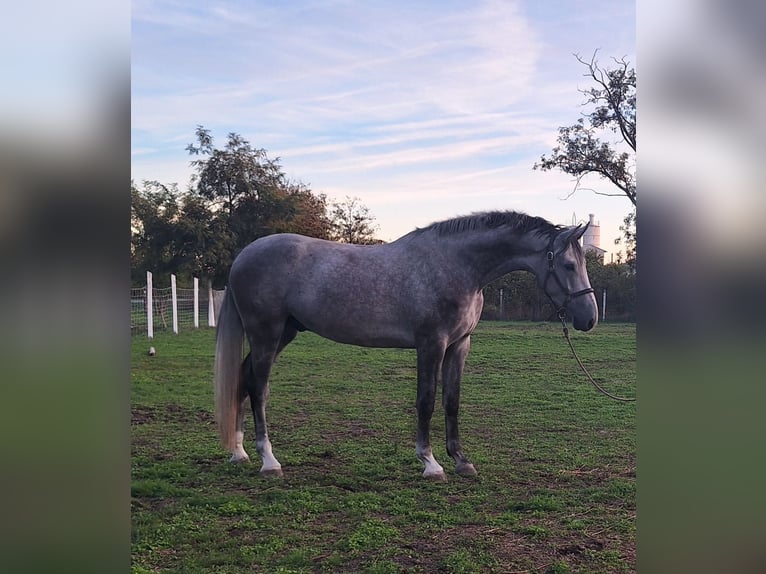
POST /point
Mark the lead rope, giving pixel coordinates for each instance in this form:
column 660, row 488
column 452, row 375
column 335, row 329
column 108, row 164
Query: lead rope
column 584, row 370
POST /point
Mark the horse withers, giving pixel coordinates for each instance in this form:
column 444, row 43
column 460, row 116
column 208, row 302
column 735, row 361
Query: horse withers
column 422, row 291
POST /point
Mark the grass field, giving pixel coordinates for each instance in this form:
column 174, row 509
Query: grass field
column 556, row 461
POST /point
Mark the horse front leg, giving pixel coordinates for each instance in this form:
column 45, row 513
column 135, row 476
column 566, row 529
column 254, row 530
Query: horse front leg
column 429, row 365
column 454, row 361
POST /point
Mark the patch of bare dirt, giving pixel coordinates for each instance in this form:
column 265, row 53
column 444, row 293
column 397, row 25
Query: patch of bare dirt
column 140, row 414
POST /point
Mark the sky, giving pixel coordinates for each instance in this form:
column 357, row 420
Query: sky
column 423, row 110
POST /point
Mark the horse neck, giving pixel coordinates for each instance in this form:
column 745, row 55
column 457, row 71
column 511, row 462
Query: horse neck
column 496, row 252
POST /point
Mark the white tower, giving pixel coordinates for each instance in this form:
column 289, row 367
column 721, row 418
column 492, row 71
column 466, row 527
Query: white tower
column 591, row 239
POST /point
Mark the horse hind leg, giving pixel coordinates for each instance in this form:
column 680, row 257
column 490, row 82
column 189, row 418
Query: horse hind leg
column 239, row 454
column 257, row 384
column 255, row 380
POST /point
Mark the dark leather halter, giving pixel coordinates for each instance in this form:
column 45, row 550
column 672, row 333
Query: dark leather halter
column 568, row 296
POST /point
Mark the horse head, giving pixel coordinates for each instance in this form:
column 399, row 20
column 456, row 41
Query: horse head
column 564, row 278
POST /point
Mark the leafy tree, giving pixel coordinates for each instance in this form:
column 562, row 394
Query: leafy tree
column 201, row 241
column 582, row 149
column 253, row 193
column 310, row 215
column 619, row 281
column 175, row 233
column 290, row 208
column 153, row 212
column 236, row 196
column 628, row 229
column 351, row 222
column 236, row 171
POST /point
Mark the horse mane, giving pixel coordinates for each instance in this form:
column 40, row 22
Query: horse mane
column 518, row 222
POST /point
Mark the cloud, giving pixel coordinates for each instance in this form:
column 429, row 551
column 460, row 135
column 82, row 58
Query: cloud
column 368, row 62
column 392, row 102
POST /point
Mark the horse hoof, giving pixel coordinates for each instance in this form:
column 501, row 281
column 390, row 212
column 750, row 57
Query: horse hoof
column 272, row 473
column 436, row 477
column 466, row 469
column 239, row 460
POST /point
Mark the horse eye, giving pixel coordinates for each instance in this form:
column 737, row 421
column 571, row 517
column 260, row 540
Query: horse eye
column 569, row 266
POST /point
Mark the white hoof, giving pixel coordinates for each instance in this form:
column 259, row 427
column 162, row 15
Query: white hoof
column 433, row 470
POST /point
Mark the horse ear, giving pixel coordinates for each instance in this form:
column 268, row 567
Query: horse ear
column 574, row 233
column 580, row 233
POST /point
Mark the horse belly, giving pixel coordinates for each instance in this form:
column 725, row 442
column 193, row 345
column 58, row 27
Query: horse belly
column 365, row 330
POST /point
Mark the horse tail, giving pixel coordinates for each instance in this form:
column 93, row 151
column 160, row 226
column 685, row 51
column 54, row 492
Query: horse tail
column 228, row 360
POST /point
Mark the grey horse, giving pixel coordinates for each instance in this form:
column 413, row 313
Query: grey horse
column 422, row 291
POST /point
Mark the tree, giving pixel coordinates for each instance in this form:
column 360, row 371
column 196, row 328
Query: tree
column 175, row 233
column 351, row 222
column 288, row 208
column 310, row 215
column 236, row 196
column 236, row 171
column 628, row 229
column 619, row 281
column 581, row 149
column 153, row 211
column 253, row 192
column 201, row 240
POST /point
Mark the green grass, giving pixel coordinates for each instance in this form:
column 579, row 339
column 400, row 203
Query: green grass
column 556, row 461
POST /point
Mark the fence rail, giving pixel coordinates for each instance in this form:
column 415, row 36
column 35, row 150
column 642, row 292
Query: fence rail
column 172, row 308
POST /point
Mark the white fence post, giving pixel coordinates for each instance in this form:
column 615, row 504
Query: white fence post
column 196, row 303
column 149, row 306
column 210, row 307
column 174, row 300
column 603, row 306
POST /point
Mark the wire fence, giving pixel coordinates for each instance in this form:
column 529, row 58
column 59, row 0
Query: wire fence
column 504, row 304
column 162, row 309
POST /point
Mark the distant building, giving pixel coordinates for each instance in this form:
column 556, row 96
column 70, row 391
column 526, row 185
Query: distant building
column 591, row 239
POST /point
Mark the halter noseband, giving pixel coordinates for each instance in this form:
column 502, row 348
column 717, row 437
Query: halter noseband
column 561, row 309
